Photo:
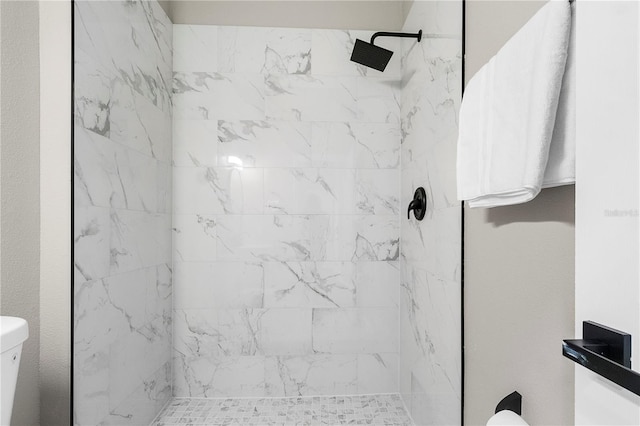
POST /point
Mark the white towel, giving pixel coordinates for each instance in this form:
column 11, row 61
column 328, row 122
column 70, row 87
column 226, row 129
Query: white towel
column 561, row 167
column 509, row 110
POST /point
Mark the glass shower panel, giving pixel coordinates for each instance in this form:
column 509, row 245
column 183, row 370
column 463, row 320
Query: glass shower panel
column 431, row 297
column 122, row 212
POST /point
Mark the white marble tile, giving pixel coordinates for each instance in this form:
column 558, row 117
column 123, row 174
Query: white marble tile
column 355, row 330
column 122, row 323
column 300, row 97
column 195, row 48
column 264, row 143
column 128, row 293
column 310, row 284
column 331, row 191
column 357, row 237
column 145, row 401
column 91, row 386
column 164, row 187
column 97, row 322
column 133, row 179
column 265, row 50
column 432, row 93
column 378, row 284
column 332, row 53
column 194, row 238
column 138, row 240
column 195, row 143
column 434, row 317
column 195, row 333
column 200, row 285
column 303, row 204
column 120, row 34
column 332, row 99
column 238, row 331
column 266, row 237
column 109, row 174
column 435, row 241
column 431, row 406
column 439, row 184
column 310, row 191
column 430, row 105
column 243, row 332
column 92, row 94
column 215, row 190
column 91, row 243
column 137, row 123
column 317, row 374
column 378, row 100
column 429, row 373
column 159, row 303
column 213, row 377
column 377, row 192
column 285, row 331
column 356, row 145
column 200, row 95
column 285, row 96
column 140, row 350
column 377, row 373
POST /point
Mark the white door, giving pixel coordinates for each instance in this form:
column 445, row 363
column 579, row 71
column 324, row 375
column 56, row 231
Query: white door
column 607, row 195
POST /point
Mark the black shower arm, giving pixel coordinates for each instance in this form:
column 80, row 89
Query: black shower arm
column 417, row 35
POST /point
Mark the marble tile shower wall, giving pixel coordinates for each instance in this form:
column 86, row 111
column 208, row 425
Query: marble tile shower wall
column 122, row 221
column 286, row 214
column 430, row 302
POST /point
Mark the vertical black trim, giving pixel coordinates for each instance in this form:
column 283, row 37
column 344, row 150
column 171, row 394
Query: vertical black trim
column 71, row 286
column 464, row 7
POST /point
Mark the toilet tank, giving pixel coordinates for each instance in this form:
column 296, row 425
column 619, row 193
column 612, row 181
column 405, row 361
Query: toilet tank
column 13, row 332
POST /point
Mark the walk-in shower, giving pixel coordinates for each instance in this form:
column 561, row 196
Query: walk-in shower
column 242, row 252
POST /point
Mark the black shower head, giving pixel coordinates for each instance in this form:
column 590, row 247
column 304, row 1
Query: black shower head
column 370, row 55
column 376, row 57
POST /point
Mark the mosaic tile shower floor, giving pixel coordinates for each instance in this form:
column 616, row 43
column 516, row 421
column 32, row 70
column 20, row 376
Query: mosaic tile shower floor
column 385, row 409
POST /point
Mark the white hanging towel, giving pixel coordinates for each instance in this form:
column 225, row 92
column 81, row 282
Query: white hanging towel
column 509, row 111
column 561, row 167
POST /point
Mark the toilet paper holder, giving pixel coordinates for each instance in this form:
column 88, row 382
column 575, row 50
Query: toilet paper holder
column 511, row 402
column 605, row 351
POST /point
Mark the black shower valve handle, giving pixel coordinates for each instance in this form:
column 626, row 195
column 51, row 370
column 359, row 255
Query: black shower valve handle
column 414, row 205
column 418, row 204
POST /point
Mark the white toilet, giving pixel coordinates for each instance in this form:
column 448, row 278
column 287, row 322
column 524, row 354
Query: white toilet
column 13, row 332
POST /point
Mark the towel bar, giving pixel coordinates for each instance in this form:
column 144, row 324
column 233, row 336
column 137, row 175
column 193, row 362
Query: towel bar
column 604, row 351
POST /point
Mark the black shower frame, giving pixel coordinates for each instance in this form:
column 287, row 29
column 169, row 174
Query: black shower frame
column 71, row 264
column 462, row 83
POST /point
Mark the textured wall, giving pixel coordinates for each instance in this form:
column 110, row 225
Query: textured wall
column 122, row 226
column 519, row 273
column 286, row 211
column 430, row 302
column 20, row 192
column 358, row 15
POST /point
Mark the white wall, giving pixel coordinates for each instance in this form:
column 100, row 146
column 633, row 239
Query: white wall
column 362, row 14
column 20, row 194
column 518, row 276
column 55, row 211
column 607, row 196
